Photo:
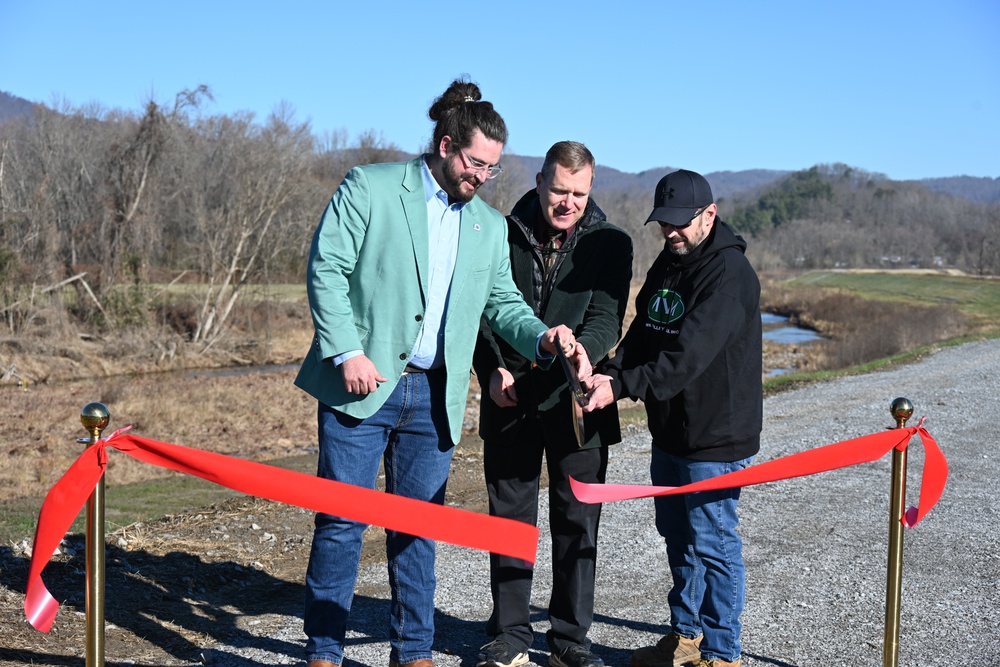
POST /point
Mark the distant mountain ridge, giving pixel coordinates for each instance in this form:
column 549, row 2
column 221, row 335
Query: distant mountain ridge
column 724, row 184
column 982, row 190
column 12, row 106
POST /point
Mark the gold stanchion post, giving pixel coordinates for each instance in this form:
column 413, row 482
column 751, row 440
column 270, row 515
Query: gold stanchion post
column 901, row 410
column 95, row 417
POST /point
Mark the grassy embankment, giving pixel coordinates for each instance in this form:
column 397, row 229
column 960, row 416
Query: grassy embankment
column 871, row 320
column 877, row 319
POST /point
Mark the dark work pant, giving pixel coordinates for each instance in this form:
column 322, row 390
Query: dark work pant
column 512, row 479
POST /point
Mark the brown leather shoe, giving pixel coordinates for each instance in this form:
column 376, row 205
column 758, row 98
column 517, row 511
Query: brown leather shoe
column 415, row 663
column 321, row 663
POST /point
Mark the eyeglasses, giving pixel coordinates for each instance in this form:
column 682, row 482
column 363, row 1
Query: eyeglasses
column 477, row 166
column 686, row 224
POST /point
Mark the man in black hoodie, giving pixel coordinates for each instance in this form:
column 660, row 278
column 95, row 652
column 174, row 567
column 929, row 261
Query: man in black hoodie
column 693, row 356
column 572, row 267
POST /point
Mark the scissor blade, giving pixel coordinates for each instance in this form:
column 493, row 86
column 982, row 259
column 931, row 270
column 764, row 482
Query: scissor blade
column 579, row 397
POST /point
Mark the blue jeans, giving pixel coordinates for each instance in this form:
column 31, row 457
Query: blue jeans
column 704, row 552
column 410, row 435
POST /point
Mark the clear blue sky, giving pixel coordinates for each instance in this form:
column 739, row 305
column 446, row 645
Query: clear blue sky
column 908, row 88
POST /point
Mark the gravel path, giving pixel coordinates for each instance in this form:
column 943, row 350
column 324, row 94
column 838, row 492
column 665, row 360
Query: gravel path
column 816, row 547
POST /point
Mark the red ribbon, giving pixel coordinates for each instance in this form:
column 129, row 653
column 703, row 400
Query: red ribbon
column 830, row 457
column 423, row 519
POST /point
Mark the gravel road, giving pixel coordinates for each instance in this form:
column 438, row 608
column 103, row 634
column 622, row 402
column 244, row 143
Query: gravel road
column 816, row 547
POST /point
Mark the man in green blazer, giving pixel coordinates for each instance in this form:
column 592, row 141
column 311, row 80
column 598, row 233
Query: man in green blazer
column 404, row 262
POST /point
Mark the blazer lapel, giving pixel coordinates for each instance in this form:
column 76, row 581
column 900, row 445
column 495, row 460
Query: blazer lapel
column 415, row 209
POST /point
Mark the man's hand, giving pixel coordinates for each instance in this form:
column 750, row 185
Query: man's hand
column 560, row 335
column 502, row 388
column 581, row 359
column 360, row 375
column 599, row 392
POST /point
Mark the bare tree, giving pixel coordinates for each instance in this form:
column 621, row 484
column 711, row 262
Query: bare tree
column 249, row 207
column 629, row 209
column 335, row 156
column 504, row 191
column 129, row 170
column 56, row 198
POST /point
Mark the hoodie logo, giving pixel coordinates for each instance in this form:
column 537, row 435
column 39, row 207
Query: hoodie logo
column 665, row 306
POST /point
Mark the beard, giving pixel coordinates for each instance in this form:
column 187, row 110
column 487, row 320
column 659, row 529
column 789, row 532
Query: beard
column 687, row 245
column 453, row 182
column 679, row 250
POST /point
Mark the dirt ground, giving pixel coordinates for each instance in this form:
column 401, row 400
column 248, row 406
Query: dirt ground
column 185, row 581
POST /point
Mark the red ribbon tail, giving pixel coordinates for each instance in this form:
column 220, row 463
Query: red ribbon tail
column 61, row 506
column 40, row 607
column 933, row 482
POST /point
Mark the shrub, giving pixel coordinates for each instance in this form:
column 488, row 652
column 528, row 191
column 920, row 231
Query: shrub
column 858, row 330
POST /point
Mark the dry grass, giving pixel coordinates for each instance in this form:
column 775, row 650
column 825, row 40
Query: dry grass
column 254, row 416
column 858, row 330
column 166, row 390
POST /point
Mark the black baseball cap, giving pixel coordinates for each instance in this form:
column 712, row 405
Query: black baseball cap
column 678, row 196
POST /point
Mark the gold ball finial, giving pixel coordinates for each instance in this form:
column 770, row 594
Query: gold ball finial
column 94, row 417
column 901, row 410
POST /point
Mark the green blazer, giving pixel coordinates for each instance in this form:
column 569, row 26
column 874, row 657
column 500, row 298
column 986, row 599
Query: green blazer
column 367, row 280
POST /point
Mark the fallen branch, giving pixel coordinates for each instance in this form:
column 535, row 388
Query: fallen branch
column 22, row 380
column 45, row 290
column 94, row 297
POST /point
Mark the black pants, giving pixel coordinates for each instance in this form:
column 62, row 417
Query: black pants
column 512, row 473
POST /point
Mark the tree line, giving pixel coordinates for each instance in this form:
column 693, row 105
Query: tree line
column 115, row 206
column 836, row 216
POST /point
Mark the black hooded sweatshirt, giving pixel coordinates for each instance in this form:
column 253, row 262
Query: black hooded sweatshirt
column 693, row 352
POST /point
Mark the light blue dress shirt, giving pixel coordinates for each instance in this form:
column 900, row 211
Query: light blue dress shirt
column 443, row 224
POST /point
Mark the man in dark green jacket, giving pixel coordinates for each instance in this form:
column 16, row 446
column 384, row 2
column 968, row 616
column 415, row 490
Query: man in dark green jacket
column 574, row 268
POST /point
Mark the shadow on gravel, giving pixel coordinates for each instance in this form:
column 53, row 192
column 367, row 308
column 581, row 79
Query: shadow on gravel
column 769, row 661
column 161, row 609
column 173, row 604
column 166, row 609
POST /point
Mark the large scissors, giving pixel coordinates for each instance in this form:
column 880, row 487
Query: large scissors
column 577, row 393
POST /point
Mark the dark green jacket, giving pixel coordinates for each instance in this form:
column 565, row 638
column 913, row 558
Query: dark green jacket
column 587, row 291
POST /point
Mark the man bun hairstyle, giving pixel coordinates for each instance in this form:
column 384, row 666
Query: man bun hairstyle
column 570, row 154
column 460, row 111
